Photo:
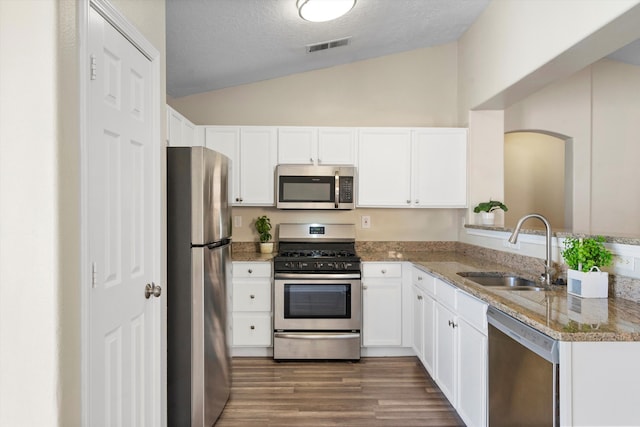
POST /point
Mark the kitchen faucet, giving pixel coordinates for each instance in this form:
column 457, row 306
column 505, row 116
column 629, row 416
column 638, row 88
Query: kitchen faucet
column 548, row 271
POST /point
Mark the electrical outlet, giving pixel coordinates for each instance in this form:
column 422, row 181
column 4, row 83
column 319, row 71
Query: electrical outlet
column 366, row 221
column 237, row 221
column 623, row 262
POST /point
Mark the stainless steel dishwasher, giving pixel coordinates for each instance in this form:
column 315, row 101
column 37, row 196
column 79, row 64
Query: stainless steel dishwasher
column 523, row 374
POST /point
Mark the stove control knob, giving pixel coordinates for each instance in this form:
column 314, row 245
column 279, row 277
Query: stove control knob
column 302, row 265
column 319, row 265
column 340, row 265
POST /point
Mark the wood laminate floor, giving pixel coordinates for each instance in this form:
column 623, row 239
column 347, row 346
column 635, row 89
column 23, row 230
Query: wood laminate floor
column 390, row 391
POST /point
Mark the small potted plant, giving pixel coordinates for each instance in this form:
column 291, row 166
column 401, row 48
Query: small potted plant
column 486, row 211
column 584, row 257
column 263, row 227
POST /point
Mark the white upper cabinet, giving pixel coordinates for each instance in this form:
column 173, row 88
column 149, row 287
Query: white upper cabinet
column 253, row 152
column 316, row 146
column 384, row 167
column 180, row 131
column 258, row 156
column 439, row 167
column 422, row 167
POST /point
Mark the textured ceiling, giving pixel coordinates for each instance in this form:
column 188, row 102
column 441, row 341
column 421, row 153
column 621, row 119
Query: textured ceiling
column 212, row 44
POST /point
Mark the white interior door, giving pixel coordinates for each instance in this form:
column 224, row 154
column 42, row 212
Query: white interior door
column 123, row 330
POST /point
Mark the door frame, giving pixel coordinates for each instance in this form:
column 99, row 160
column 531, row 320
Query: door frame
column 158, row 361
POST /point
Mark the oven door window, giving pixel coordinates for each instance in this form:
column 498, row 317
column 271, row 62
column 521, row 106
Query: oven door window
column 317, row 301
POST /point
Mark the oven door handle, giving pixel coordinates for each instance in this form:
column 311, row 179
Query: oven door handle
column 316, row 336
column 312, row 276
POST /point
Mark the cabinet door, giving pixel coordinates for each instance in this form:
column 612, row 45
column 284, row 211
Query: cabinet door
column 180, row 131
column 337, row 146
column 252, row 329
column 472, row 374
column 445, row 351
column 440, row 167
column 429, row 333
column 384, row 168
column 382, row 312
column 418, row 321
column 226, row 140
column 258, row 156
column 297, row 145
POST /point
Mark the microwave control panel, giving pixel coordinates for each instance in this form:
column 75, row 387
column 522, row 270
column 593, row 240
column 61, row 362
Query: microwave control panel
column 346, row 189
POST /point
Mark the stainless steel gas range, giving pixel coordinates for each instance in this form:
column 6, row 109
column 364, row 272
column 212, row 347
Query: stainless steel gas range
column 317, row 293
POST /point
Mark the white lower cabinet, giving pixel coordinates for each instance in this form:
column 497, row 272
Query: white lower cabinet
column 445, row 354
column 450, row 338
column 251, row 312
column 381, row 304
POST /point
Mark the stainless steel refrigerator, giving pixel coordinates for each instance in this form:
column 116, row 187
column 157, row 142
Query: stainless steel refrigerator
column 198, row 267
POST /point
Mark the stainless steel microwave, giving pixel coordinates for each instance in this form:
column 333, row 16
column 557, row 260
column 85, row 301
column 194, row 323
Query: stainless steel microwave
column 315, row 187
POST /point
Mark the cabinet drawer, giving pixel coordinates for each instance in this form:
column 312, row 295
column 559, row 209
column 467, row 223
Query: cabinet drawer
column 424, row 281
column 251, row 269
column 446, row 294
column 252, row 329
column 382, row 269
column 473, row 311
column 251, row 296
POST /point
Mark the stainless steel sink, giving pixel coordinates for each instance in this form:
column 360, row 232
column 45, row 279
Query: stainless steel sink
column 500, row 280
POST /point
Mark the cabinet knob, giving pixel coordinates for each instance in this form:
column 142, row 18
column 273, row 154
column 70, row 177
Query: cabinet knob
column 420, row 297
column 252, row 296
column 408, row 202
column 364, row 287
column 419, row 277
column 452, row 324
column 417, row 201
column 383, row 271
column 250, row 271
column 252, row 327
column 310, row 159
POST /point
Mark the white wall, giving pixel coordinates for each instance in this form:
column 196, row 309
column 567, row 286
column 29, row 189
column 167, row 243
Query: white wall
column 615, row 203
column 40, row 344
column 598, row 108
column 517, row 47
column 29, row 213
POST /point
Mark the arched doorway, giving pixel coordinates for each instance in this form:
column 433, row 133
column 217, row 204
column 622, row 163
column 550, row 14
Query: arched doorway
column 538, row 177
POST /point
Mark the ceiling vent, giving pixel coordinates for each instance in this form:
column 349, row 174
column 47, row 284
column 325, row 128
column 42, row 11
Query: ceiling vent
column 328, row 45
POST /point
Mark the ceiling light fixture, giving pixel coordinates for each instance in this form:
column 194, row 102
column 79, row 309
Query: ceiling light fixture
column 323, row 10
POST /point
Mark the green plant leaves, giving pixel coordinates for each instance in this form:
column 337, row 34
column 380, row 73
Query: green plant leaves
column 584, row 254
column 490, row 206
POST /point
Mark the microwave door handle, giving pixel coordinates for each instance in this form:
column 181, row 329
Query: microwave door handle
column 337, row 189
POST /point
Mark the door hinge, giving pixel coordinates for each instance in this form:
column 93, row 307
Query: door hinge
column 94, row 67
column 94, row 275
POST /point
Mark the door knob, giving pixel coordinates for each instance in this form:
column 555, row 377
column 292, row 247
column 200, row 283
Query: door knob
column 152, row 289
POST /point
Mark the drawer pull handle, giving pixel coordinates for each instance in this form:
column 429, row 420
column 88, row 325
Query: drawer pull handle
column 252, row 296
column 252, row 327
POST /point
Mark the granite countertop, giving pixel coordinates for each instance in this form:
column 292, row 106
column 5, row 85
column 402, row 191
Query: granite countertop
column 555, row 313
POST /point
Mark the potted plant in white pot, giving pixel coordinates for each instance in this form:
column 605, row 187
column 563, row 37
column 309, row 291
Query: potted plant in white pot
column 263, row 227
column 486, row 211
column 584, row 257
